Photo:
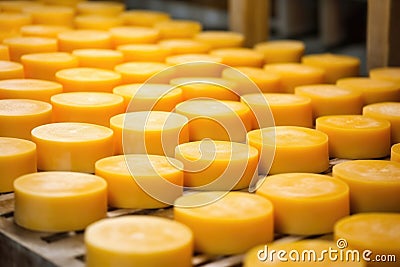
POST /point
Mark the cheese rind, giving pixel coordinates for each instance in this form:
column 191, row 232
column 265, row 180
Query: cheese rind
column 239, row 56
column 281, row 51
column 80, row 39
column 98, row 58
column 305, row 203
column 220, row 39
column 19, row 46
column 59, row 201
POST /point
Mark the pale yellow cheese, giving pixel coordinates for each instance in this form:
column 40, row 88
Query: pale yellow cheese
column 220, row 39
column 19, row 46
column 133, row 35
column 79, row 39
column 11, row 70
column 98, row 58
column 281, row 51
column 239, row 56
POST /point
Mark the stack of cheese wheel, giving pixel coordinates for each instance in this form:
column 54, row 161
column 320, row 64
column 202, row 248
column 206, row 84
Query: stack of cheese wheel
column 100, row 105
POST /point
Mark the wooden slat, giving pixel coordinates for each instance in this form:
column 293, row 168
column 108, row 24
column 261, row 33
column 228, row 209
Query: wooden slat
column 383, row 38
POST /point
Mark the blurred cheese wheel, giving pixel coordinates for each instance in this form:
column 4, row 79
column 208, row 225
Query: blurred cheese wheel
column 79, row 39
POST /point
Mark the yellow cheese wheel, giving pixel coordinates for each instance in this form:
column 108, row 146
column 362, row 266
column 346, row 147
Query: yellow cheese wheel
column 178, row 28
column 59, row 201
column 226, row 224
column 356, row 136
column 51, row 14
column 149, row 132
column 305, row 203
column 285, row 149
column 17, row 157
column 308, row 252
column 13, row 21
column 281, row 51
column 16, row 6
column 239, row 56
column 71, row 146
column 84, row 79
column 43, row 30
column 19, row 116
column 11, row 70
column 147, row 96
column 336, row 66
column 184, row 46
column 144, row 52
column 139, row 72
column 104, row 8
column 372, row 91
column 375, row 235
column 45, row 65
column 97, row 22
column 206, row 87
column 389, row 111
column 374, row 184
column 133, row 35
column 296, row 74
column 34, row 89
column 395, row 152
column 79, row 39
column 261, row 114
column 329, row 99
column 98, row 58
column 19, row 46
column 141, row 181
column 267, row 82
column 218, row 165
column 386, row 73
column 194, row 64
column 138, row 241
column 90, row 107
column 145, row 18
column 216, row 119
column 4, row 54
column 220, row 39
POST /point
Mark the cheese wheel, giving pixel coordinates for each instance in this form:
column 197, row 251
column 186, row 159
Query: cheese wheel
column 138, row 241
column 374, row 184
column 133, row 35
column 192, row 65
column 71, row 146
column 13, row 21
column 296, row 74
column 302, row 253
column 19, row 116
column 17, row 157
column 206, row 87
column 43, row 30
column 139, row 181
column 98, row 58
column 395, row 153
column 184, row 46
column 149, row 132
column 34, row 89
column 281, row 51
column 386, row 73
column 285, row 149
column 389, row 111
column 178, row 28
column 16, row 6
column 4, row 54
column 139, row 72
column 216, row 119
column 218, row 165
column 103, row 8
column 376, row 235
column 45, row 65
column 59, row 201
column 144, row 52
column 97, row 22
column 219, row 221
column 372, row 91
column 329, row 99
column 19, row 46
column 305, row 203
column 145, row 18
column 267, row 82
column 336, row 66
column 90, row 107
column 220, row 39
column 11, row 70
column 147, row 96
column 51, row 14
column 287, row 109
column 239, row 56
column 350, row 134
column 79, row 39
column 84, row 79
